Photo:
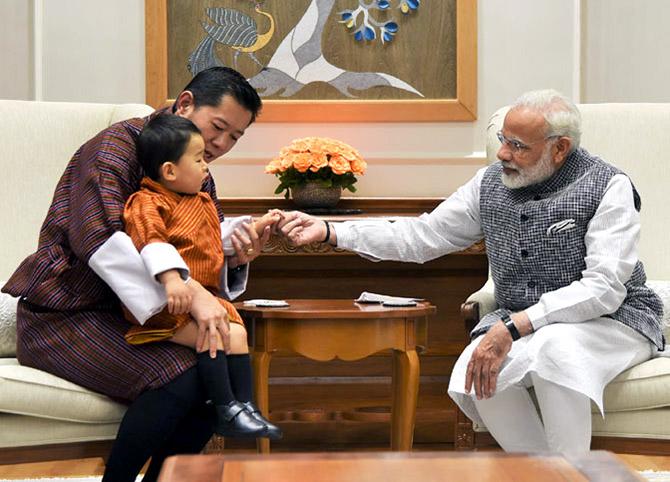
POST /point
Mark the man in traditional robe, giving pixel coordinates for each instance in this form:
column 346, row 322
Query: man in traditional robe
column 561, row 228
column 69, row 318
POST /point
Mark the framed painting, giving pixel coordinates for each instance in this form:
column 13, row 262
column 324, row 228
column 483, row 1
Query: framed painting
column 323, row 60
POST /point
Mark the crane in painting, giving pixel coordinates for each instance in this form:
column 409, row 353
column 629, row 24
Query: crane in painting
column 233, row 28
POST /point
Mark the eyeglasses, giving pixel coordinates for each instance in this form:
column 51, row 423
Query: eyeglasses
column 516, row 145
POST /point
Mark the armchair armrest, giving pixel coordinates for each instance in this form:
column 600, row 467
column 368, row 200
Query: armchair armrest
column 478, row 304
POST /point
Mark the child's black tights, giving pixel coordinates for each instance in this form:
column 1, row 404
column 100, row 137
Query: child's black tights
column 159, row 423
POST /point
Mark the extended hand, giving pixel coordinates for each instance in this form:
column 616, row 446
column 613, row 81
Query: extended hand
column 248, row 244
column 211, row 318
column 486, row 360
column 301, row 228
column 269, row 219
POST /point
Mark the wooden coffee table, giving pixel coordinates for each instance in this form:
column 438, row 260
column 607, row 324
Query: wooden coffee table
column 328, row 329
column 397, row 467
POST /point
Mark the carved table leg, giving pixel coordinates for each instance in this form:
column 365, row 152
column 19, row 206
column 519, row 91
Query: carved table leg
column 405, row 394
column 261, row 365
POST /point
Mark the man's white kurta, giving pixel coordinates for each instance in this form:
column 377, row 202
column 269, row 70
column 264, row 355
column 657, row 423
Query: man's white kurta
column 574, row 345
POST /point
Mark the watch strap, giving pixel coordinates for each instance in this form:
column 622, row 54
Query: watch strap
column 511, row 327
column 327, row 238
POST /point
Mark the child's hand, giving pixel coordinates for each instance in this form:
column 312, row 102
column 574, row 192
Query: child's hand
column 179, row 295
column 271, row 218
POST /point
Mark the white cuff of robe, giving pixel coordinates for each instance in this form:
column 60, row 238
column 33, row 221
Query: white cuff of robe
column 119, row 265
column 228, row 226
column 238, row 281
column 161, row 257
column 236, row 285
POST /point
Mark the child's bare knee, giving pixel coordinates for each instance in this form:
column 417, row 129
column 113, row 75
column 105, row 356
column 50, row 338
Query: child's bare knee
column 238, row 339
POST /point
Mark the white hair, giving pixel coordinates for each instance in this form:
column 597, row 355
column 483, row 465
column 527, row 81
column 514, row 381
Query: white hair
column 560, row 113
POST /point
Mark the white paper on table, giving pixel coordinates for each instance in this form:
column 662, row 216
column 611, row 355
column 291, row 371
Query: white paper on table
column 367, row 297
column 263, row 303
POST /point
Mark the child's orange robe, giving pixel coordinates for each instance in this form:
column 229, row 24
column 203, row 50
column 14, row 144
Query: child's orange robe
column 190, row 223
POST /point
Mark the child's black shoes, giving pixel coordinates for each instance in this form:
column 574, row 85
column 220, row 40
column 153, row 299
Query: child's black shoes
column 235, row 421
column 273, row 432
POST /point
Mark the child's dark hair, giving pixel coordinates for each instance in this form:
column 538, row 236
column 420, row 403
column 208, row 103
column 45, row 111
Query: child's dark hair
column 210, row 85
column 163, row 139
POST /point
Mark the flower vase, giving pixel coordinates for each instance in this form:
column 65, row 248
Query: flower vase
column 315, row 195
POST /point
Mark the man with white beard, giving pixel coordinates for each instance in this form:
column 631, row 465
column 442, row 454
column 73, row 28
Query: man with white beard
column 561, row 228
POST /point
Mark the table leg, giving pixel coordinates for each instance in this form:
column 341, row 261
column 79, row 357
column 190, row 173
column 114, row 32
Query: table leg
column 261, row 365
column 405, row 394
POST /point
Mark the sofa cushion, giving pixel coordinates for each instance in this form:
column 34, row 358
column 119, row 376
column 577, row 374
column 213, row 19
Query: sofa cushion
column 23, row 431
column 644, row 386
column 27, row 391
column 634, row 424
column 7, row 324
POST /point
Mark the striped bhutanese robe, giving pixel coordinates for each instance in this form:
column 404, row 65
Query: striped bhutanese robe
column 69, row 321
column 190, row 223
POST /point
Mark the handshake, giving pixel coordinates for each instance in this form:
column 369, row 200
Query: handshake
column 299, row 228
column 246, row 239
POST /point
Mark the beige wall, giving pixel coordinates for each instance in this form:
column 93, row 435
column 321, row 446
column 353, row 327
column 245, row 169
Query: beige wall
column 625, row 51
column 16, row 49
column 93, row 50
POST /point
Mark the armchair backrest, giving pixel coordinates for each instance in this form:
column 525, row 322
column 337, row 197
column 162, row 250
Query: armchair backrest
column 636, row 139
column 37, row 140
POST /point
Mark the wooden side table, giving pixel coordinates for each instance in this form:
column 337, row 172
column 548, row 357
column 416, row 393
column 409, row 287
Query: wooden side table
column 327, row 329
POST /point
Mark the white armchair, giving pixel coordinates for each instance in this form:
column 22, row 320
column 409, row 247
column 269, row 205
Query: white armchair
column 43, row 416
column 633, row 137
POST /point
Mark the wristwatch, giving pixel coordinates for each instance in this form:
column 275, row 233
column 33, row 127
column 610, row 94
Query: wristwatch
column 511, row 327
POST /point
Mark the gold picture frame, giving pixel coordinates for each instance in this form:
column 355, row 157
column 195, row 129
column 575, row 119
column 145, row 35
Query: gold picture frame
column 463, row 107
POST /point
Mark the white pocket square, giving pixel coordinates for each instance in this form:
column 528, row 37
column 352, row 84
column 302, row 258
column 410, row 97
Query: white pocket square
column 561, row 226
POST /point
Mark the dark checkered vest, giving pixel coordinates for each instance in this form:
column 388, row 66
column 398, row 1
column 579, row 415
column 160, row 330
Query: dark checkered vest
column 528, row 259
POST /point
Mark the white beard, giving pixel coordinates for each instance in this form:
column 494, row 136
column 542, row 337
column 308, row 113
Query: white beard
column 541, row 171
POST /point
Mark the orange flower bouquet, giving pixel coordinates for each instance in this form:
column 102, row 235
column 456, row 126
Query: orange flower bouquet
column 328, row 162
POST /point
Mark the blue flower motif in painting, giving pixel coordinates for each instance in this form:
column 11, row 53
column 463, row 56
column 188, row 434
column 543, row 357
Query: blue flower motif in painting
column 364, row 25
column 388, row 30
column 406, row 6
column 365, row 33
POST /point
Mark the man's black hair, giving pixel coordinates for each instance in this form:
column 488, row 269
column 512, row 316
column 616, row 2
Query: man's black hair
column 163, row 139
column 210, row 85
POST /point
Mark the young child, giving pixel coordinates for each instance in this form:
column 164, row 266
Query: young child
column 170, row 208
